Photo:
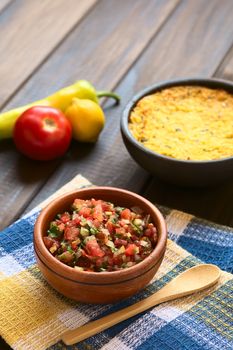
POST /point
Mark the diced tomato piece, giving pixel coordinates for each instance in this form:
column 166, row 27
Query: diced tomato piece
column 106, row 206
column 48, row 241
column 61, row 226
column 120, row 231
column 110, row 226
column 65, row 217
column 96, row 223
column 95, row 202
column 93, row 248
column 78, row 203
column 131, row 249
column 104, row 227
column 85, row 212
column 98, row 213
column 121, row 223
column 126, row 214
column 71, row 233
column 76, row 219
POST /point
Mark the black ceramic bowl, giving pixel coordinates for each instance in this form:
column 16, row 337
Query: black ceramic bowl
column 175, row 171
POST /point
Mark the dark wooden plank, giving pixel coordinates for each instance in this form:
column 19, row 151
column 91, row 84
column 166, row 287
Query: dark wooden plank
column 4, row 4
column 214, row 203
column 225, row 69
column 223, row 212
column 29, row 31
column 108, row 162
column 101, row 49
column 177, row 50
column 4, row 345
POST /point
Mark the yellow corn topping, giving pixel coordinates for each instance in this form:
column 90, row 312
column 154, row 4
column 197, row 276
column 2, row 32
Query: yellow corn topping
column 185, row 122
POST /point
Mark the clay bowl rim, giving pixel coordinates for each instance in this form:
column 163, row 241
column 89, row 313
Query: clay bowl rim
column 99, row 278
column 212, row 83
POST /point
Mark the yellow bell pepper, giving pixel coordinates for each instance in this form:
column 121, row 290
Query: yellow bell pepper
column 87, row 119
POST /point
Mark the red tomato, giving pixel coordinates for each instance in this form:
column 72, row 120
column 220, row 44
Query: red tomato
column 96, row 223
column 120, row 231
column 130, row 250
column 61, row 227
column 85, row 212
column 71, row 233
column 110, row 226
column 48, row 241
column 42, row 133
column 126, row 214
column 78, row 203
column 93, row 248
column 65, row 217
column 98, row 213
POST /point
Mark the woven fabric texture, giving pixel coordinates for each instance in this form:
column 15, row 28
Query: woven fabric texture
column 33, row 315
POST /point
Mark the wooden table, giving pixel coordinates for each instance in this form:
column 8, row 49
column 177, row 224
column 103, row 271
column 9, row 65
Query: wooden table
column 119, row 45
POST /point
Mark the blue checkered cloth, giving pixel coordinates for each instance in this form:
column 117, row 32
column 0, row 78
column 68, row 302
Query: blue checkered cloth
column 33, row 315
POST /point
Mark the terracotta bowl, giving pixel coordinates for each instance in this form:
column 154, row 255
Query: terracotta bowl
column 176, row 171
column 98, row 287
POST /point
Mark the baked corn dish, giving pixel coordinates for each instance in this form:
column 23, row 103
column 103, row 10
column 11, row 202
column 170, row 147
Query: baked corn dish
column 185, row 122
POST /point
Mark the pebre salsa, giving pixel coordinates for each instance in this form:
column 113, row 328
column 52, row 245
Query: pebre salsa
column 97, row 236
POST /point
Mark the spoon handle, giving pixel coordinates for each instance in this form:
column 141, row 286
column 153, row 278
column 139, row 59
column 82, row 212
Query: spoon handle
column 169, row 292
column 94, row 327
column 188, row 282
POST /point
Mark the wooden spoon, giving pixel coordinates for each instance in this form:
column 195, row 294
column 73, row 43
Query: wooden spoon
column 190, row 281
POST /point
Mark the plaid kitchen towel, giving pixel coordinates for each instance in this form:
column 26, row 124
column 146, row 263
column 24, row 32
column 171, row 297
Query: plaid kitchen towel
column 33, row 315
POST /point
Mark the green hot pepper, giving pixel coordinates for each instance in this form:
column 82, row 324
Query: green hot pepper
column 61, row 100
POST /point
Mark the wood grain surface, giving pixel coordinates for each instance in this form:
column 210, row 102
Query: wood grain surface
column 121, row 45
column 174, row 41
column 22, row 178
column 103, row 164
column 27, row 40
column 4, row 4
